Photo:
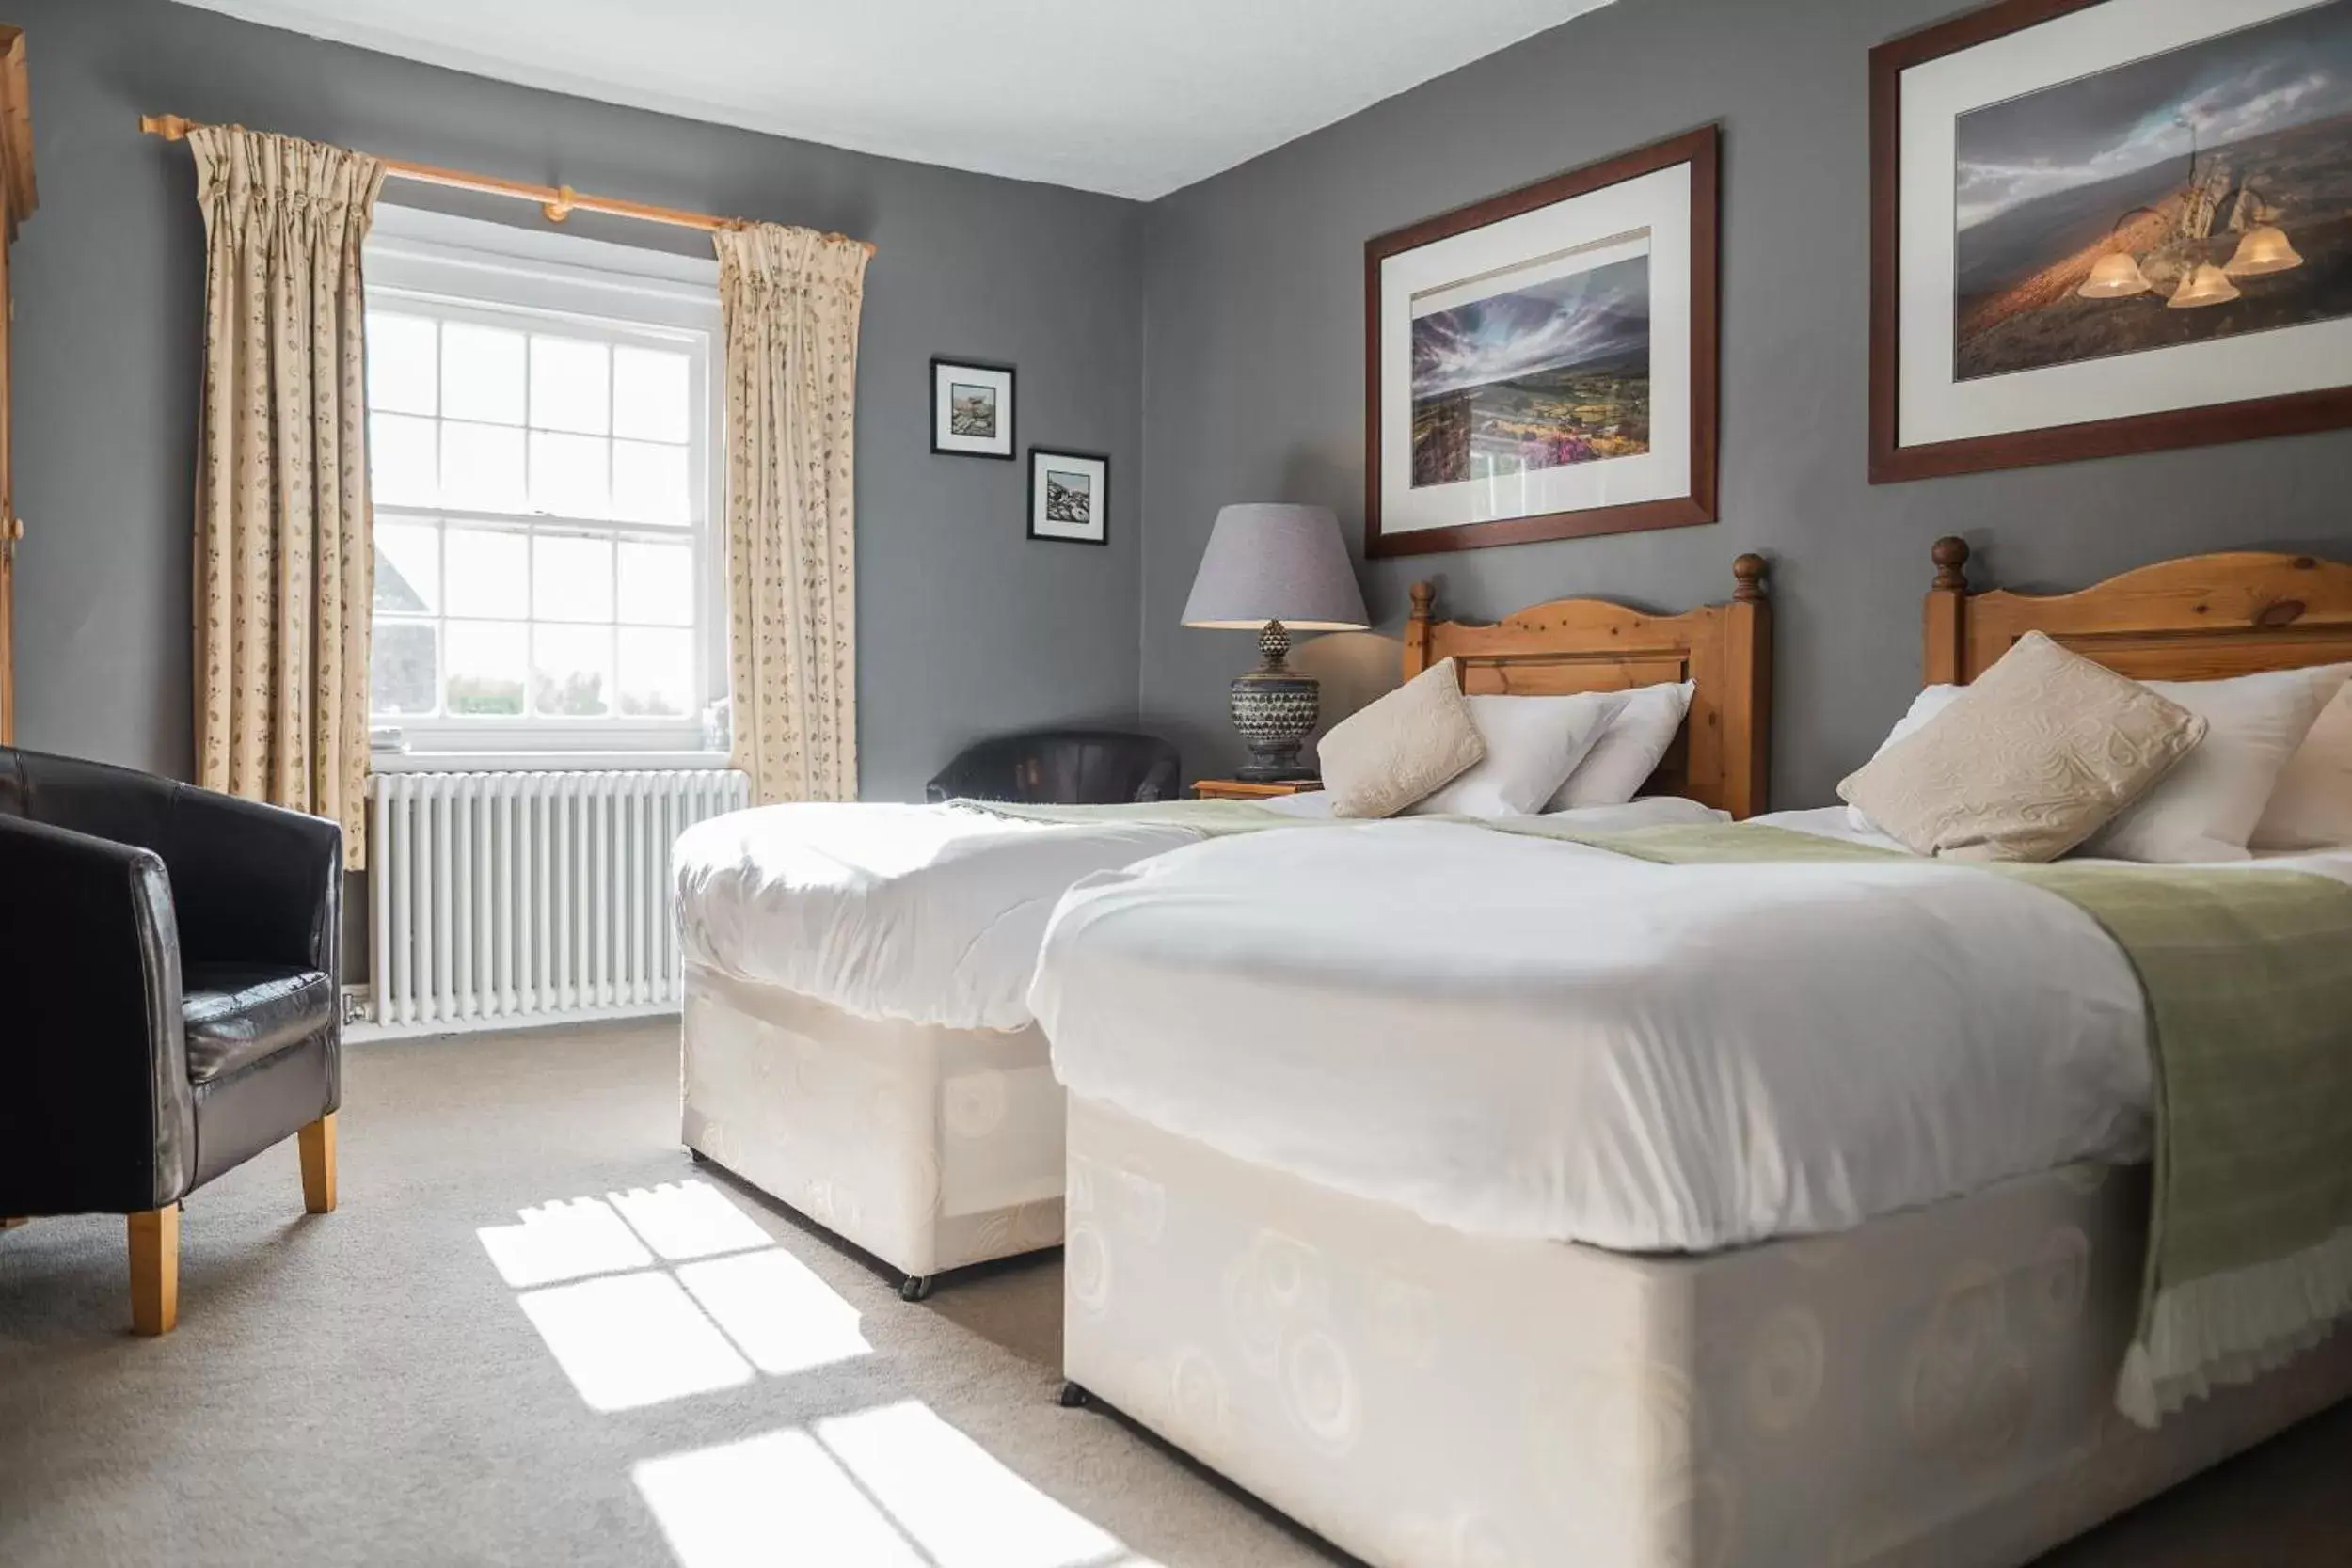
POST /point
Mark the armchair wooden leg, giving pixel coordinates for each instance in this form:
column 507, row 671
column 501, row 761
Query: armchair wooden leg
column 318, row 1165
column 155, row 1270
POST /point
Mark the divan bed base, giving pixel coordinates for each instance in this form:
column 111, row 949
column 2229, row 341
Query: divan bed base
column 930, row 1148
column 1936, row 1386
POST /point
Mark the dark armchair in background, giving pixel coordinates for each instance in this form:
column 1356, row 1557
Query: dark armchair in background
column 168, row 962
column 1070, row 767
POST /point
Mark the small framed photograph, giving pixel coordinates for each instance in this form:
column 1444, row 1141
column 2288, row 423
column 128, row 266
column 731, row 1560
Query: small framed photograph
column 972, row 410
column 1070, row 495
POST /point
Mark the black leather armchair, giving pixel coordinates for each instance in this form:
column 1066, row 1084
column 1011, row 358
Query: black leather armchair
column 168, row 962
column 1067, row 768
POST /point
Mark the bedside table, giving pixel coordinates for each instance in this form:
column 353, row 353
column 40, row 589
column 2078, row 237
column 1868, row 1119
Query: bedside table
column 1241, row 789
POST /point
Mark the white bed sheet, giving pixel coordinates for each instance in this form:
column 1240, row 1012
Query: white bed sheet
column 923, row 915
column 1523, row 1037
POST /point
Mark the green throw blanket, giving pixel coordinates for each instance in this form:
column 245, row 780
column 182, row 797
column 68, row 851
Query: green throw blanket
column 2248, row 981
column 2248, row 978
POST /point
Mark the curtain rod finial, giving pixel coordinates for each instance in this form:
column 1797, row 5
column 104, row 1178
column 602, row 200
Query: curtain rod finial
column 169, row 127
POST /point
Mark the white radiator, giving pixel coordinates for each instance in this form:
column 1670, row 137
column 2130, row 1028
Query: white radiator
column 512, row 898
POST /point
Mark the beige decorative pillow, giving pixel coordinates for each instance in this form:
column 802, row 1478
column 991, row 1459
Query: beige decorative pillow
column 2030, row 761
column 1410, row 743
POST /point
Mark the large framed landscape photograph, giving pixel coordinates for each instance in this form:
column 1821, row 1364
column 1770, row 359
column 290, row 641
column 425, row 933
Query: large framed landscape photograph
column 2103, row 227
column 1543, row 364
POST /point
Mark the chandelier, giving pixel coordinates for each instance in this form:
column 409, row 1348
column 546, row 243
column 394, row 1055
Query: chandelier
column 2180, row 268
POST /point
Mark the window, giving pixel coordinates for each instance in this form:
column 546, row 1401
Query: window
column 543, row 458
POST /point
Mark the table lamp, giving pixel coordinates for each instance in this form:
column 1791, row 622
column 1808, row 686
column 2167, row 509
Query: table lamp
column 1271, row 569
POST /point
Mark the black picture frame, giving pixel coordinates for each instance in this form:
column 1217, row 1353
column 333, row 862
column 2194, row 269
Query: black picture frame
column 942, row 439
column 1100, row 522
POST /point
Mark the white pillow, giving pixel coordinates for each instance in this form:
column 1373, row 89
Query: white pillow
column 2206, row 808
column 1533, row 745
column 2312, row 808
column 1627, row 753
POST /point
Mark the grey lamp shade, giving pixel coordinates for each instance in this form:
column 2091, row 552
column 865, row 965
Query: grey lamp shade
column 1267, row 562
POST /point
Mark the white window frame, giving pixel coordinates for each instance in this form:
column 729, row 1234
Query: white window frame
column 461, row 269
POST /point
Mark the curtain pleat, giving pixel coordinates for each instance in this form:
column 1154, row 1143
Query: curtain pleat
column 285, row 563
column 790, row 300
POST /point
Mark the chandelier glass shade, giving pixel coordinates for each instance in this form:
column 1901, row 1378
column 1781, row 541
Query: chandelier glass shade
column 2263, row 249
column 2114, row 276
column 2206, row 284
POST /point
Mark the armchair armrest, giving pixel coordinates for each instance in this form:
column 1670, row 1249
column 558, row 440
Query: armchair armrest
column 255, row 884
column 97, row 1112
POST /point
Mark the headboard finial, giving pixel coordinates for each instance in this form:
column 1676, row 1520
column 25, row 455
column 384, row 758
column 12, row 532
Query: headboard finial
column 1951, row 563
column 1748, row 571
column 1424, row 594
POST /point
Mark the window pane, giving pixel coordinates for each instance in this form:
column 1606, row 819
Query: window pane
column 649, row 393
column 402, row 367
column 571, row 578
column 488, row 575
column 481, row 373
column 402, row 672
column 658, row 583
column 649, row 482
column 568, row 475
column 407, row 567
column 572, row 670
column 486, row 661
column 482, row 467
column 401, row 464
column 657, row 672
column 571, row 385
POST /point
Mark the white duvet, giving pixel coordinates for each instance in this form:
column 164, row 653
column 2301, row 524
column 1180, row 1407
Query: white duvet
column 1523, row 1037
column 931, row 914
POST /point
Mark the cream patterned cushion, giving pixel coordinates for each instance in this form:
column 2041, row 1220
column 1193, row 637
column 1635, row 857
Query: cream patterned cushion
column 1410, row 743
column 2030, row 761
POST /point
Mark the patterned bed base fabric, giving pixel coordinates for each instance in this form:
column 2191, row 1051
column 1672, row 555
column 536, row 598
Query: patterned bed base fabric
column 928, row 1148
column 1934, row 1387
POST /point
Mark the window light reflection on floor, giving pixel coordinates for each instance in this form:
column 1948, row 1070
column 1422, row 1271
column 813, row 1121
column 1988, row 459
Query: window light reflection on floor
column 890, row 1487
column 689, row 1219
column 563, row 1241
column 629, row 1333
column 778, row 1313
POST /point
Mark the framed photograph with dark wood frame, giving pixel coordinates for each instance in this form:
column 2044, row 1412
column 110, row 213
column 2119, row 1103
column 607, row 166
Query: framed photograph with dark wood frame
column 2101, row 227
column 1070, row 496
column 1542, row 364
column 972, row 410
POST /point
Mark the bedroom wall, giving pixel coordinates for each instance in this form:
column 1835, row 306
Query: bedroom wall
column 1253, row 379
column 967, row 627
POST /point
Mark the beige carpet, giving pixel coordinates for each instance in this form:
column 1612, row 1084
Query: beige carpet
column 426, row 1377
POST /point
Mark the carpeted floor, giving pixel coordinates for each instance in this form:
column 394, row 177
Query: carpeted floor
column 427, row 1377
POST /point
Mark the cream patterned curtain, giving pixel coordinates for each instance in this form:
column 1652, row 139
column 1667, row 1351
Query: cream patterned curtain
column 791, row 298
column 285, row 565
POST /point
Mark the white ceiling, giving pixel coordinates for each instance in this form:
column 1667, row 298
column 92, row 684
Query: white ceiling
column 1132, row 97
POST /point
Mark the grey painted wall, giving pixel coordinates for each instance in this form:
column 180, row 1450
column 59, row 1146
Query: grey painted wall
column 967, row 627
column 1253, row 385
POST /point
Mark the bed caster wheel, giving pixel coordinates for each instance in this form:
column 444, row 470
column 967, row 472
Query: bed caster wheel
column 916, row 1287
column 698, row 1156
column 1075, row 1397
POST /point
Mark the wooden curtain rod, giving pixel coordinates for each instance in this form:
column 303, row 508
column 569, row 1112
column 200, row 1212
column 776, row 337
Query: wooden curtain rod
column 556, row 202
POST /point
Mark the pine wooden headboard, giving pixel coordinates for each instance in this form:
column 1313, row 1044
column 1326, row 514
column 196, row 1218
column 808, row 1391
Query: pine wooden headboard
column 1722, row 756
column 2198, row 617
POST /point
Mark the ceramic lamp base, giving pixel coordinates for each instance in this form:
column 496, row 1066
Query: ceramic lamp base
column 1273, row 708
